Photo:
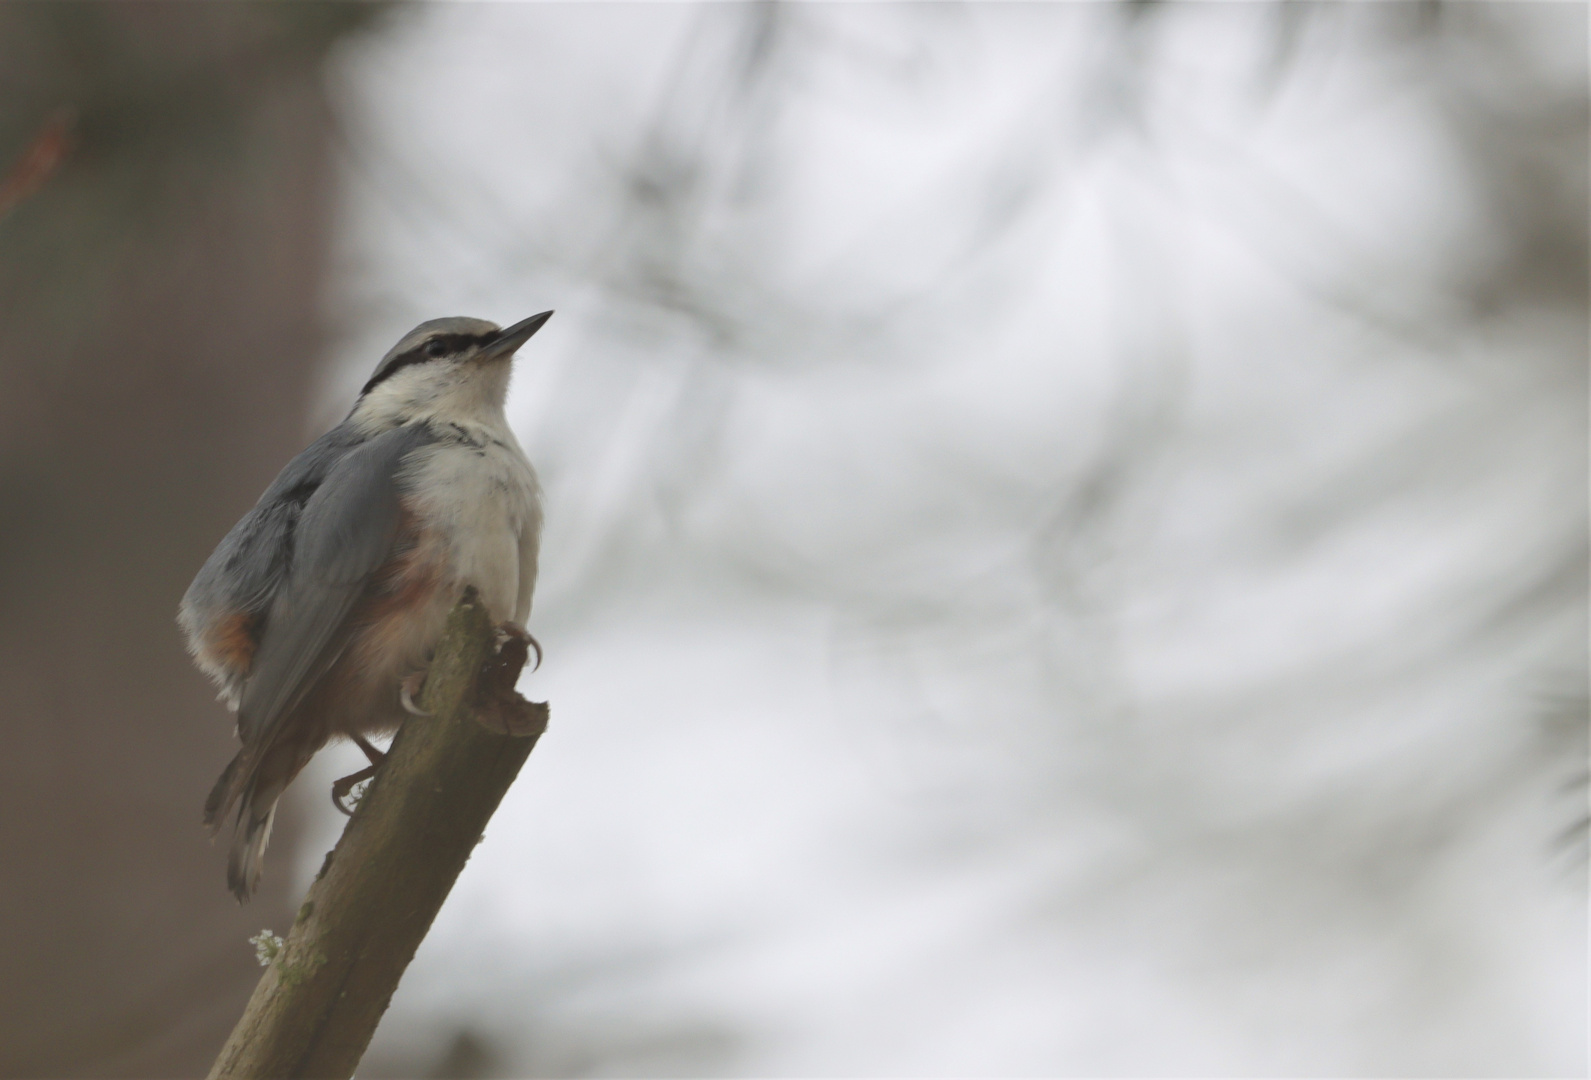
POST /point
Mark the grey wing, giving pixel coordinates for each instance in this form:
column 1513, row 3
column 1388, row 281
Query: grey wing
column 223, row 610
column 344, row 534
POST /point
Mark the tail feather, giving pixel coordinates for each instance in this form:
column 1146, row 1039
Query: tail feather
column 252, row 782
column 234, row 778
column 251, row 830
column 249, row 839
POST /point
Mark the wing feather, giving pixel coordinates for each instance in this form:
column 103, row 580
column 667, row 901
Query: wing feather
column 235, row 586
column 344, row 534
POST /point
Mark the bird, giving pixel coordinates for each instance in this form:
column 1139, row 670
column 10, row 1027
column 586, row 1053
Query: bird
column 318, row 612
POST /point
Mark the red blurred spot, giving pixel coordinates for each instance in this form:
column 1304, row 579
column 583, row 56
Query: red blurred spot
column 40, row 160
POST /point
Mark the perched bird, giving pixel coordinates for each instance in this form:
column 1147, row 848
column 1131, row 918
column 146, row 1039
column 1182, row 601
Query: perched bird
column 318, row 613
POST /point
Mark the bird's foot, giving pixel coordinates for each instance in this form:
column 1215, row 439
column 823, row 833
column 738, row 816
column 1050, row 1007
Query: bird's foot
column 499, row 708
column 509, row 631
column 372, row 755
column 408, row 690
column 341, row 788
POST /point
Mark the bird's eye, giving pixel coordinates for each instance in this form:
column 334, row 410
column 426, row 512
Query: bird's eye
column 436, row 348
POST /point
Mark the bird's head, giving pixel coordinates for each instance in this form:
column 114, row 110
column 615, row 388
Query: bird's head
column 444, row 369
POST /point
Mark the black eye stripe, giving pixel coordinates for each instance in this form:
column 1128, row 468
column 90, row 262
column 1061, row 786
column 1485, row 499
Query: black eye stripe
column 453, row 345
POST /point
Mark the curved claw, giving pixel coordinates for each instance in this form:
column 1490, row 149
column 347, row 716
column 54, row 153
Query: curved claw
column 508, row 630
column 341, row 788
column 406, row 699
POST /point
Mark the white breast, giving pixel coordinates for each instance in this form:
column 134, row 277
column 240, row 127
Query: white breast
column 476, row 490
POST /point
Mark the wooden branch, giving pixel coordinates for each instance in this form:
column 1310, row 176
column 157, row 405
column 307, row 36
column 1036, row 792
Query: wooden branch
column 316, row 1007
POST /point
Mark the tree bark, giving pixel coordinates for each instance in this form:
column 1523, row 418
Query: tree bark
column 318, row 1003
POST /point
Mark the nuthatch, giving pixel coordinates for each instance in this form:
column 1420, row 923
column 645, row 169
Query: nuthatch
column 318, row 613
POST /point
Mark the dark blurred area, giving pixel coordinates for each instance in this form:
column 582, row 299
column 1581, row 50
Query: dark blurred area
column 164, row 219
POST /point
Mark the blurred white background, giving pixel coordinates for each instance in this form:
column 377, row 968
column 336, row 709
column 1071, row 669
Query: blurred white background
column 1067, row 531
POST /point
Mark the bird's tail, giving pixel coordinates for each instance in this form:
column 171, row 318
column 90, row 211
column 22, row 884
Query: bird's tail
column 241, row 785
column 253, row 832
column 234, row 778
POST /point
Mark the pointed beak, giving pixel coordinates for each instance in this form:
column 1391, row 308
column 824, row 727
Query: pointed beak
column 510, row 338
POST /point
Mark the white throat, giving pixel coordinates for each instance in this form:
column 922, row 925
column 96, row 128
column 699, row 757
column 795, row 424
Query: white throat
column 466, row 392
